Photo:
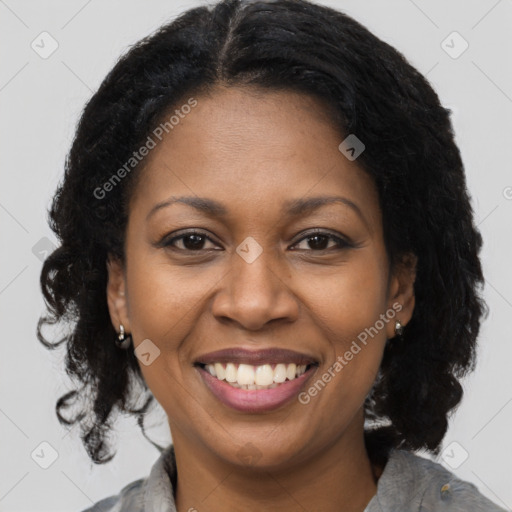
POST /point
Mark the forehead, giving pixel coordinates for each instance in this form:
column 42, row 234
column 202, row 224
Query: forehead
column 253, row 149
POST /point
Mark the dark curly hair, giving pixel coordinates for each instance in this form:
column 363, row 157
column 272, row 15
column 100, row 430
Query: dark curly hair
column 369, row 89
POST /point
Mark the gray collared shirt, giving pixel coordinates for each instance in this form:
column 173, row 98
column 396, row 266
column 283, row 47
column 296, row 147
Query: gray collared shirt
column 409, row 483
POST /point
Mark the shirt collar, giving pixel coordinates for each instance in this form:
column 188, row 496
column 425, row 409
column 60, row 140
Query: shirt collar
column 400, row 486
column 159, row 489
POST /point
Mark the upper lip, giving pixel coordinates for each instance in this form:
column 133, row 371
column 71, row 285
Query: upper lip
column 240, row 355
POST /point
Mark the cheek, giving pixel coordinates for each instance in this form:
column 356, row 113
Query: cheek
column 347, row 307
column 163, row 302
column 349, row 298
column 163, row 307
column 163, row 298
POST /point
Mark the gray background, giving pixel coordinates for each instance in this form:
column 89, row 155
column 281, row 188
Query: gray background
column 40, row 100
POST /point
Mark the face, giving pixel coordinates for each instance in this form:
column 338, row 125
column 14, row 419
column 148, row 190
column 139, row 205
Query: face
column 268, row 266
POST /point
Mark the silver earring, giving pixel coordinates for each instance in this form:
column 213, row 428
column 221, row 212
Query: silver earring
column 399, row 328
column 123, row 341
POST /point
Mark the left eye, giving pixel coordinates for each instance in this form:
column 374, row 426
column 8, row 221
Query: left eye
column 317, row 241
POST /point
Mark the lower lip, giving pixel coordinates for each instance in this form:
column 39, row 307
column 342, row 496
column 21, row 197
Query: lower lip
column 255, row 400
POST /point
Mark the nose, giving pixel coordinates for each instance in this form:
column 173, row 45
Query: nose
column 256, row 293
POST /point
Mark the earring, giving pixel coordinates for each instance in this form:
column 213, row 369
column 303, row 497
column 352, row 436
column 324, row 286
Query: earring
column 399, row 328
column 123, row 340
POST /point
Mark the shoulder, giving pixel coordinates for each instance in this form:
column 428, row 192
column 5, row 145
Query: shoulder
column 410, row 482
column 129, row 499
column 155, row 491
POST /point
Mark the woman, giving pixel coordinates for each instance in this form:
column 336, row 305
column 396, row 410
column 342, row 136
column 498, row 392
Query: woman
column 264, row 223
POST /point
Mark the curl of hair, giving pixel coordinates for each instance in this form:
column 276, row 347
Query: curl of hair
column 369, row 89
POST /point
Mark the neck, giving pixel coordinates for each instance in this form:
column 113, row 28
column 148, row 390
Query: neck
column 339, row 477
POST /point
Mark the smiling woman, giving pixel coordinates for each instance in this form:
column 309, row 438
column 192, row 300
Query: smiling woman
column 293, row 267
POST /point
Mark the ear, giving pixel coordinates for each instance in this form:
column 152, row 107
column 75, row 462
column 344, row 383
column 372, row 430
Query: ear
column 116, row 297
column 401, row 292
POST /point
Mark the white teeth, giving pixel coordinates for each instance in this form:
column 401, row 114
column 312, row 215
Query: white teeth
column 264, row 375
column 219, row 370
column 246, row 376
column 231, row 372
column 291, row 370
column 280, row 373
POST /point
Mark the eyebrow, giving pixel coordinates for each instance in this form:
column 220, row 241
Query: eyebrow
column 291, row 208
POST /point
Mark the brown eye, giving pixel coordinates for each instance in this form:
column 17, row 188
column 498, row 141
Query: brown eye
column 319, row 241
column 192, row 241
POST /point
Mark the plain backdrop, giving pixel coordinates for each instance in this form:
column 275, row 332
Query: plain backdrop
column 40, row 101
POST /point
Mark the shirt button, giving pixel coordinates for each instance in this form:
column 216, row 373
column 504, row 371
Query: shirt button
column 446, row 492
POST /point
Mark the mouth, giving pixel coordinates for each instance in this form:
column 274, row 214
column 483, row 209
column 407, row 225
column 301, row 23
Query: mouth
column 250, row 377
column 250, row 381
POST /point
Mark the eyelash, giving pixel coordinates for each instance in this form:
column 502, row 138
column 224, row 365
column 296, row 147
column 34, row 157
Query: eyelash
column 340, row 242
